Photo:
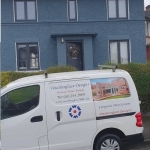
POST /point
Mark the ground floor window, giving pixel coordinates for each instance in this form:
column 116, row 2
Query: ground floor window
column 119, row 51
column 27, row 56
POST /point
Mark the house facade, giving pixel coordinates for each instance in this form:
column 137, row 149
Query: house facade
column 147, row 28
column 37, row 34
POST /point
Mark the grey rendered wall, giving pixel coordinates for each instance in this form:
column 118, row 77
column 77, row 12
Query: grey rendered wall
column 52, row 19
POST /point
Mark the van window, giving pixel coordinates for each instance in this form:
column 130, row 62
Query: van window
column 19, row 101
column 109, row 88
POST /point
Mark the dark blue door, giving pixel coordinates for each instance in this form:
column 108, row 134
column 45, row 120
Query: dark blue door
column 74, row 55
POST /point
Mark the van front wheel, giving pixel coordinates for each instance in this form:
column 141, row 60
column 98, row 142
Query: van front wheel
column 108, row 142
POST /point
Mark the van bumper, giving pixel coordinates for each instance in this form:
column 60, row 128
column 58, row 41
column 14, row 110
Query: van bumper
column 133, row 139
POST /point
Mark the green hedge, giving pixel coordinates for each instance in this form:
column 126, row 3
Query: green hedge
column 9, row 76
column 140, row 74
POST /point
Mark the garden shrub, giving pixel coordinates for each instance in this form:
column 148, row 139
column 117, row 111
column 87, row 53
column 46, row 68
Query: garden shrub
column 57, row 69
column 9, row 76
column 140, row 74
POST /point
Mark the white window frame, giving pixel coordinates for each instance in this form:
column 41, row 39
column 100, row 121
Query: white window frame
column 118, row 49
column 76, row 3
column 25, row 20
column 117, row 11
column 16, row 51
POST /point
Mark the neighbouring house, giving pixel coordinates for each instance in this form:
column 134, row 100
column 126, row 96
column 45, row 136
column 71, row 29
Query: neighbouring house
column 37, row 34
column 147, row 27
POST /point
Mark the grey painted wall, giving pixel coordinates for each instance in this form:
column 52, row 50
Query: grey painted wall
column 52, row 19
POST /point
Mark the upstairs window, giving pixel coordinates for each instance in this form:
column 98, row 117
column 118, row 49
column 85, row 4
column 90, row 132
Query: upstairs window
column 28, row 56
column 117, row 9
column 119, row 52
column 72, row 10
column 25, row 10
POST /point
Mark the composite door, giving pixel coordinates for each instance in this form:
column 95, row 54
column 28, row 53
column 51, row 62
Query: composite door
column 23, row 115
column 71, row 117
column 148, row 52
column 74, row 55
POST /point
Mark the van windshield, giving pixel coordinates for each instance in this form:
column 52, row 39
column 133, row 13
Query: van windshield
column 19, row 101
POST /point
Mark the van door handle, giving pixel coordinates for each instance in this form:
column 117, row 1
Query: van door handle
column 37, row 119
column 58, row 115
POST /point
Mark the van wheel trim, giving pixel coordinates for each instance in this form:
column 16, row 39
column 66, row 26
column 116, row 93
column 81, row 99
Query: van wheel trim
column 110, row 144
column 100, row 142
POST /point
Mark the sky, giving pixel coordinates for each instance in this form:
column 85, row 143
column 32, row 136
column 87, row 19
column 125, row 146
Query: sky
column 146, row 2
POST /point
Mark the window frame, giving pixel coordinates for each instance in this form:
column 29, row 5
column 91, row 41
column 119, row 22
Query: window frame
column 28, row 57
column 25, row 11
column 117, row 10
column 76, row 11
column 118, row 49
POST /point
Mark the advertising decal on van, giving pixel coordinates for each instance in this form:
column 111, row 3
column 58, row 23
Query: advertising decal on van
column 113, row 97
column 109, row 88
column 68, row 92
column 74, row 111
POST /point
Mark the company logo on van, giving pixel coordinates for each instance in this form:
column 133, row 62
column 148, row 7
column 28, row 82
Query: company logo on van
column 74, row 111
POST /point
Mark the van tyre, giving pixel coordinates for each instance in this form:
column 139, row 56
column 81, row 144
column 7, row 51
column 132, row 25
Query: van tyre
column 108, row 142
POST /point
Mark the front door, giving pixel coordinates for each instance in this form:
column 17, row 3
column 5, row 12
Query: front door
column 23, row 115
column 74, row 55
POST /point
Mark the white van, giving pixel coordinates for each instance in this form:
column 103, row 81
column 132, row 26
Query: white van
column 84, row 110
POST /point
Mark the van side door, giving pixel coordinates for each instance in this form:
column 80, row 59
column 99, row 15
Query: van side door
column 70, row 114
column 23, row 118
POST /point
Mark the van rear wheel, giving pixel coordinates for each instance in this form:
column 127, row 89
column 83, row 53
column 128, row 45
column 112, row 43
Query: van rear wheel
column 108, row 142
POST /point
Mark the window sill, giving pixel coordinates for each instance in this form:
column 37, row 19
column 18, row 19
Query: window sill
column 116, row 19
column 25, row 21
column 29, row 71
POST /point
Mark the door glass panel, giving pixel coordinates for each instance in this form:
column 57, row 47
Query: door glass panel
column 31, row 10
column 122, row 8
column 113, row 52
column 19, row 101
column 20, row 12
column 124, row 52
column 22, row 56
column 33, row 52
column 72, row 10
column 112, row 8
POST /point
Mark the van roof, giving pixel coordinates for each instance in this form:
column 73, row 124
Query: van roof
column 64, row 75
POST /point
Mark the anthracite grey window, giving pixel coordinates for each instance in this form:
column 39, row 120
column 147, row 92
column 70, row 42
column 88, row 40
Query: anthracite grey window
column 28, row 56
column 118, row 9
column 19, row 101
column 25, row 10
column 119, row 52
column 72, row 10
